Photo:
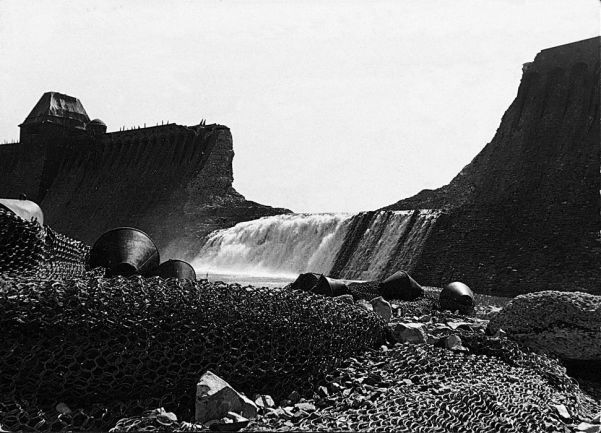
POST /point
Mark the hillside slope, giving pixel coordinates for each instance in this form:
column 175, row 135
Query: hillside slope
column 524, row 215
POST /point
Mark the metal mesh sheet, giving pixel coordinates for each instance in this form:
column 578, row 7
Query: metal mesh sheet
column 496, row 387
column 28, row 249
column 112, row 347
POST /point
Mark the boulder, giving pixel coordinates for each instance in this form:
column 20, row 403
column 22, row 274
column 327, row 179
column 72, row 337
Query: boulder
column 565, row 324
column 408, row 333
column 382, row 308
column 215, row 398
column 401, row 286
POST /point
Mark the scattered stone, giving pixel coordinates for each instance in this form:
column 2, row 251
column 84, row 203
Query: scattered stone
column 365, row 304
column 562, row 411
column 215, row 398
column 453, row 342
column 347, row 299
column 413, row 333
column 382, row 308
column 596, row 419
column 589, row 428
column 306, row 407
column 268, row 401
column 384, row 348
column 462, row 325
column 323, row 391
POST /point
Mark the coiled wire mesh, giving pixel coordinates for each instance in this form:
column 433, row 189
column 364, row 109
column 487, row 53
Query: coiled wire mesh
column 423, row 388
column 112, row 347
column 28, row 249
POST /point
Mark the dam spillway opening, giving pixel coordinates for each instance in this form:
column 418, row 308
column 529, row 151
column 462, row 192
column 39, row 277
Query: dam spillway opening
column 362, row 246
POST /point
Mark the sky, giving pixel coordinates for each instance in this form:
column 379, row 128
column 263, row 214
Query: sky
column 334, row 106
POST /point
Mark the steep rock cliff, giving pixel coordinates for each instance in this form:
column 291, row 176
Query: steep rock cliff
column 172, row 181
column 524, row 215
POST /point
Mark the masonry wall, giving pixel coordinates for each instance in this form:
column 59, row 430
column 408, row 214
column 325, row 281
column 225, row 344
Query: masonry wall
column 172, row 181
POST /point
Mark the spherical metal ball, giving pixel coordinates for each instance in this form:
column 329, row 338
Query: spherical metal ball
column 457, row 296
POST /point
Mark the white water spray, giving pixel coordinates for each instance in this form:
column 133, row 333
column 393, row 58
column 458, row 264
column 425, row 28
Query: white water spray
column 282, row 245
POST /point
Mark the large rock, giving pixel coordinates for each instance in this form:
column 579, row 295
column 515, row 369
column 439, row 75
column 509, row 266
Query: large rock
column 566, row 324
column 382, row 308
column 413, row 333
column 215, row 398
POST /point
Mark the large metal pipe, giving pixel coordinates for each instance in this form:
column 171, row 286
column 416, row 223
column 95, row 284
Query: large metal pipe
column 330, row 287
column 305, row 282
column 26, row 209
column 177, row 269
column 400, row 286
column 125, row 251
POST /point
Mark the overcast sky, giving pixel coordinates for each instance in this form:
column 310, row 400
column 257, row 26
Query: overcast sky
column 333, row 105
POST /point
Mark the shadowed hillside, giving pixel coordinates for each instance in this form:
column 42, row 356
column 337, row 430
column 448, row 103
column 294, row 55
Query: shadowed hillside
column 524, row 214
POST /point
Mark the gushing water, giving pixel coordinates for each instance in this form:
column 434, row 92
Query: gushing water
column 286, row 245
column 278, row 245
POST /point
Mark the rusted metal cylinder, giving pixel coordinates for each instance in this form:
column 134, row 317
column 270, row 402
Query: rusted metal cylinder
column 330, row 287
column 125, row 251
column 305, row 282
column 177, row 269
column 401, row 286
column 26, row 209
column 457, row 296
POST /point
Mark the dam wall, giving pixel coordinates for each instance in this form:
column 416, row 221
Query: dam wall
column 172, row 181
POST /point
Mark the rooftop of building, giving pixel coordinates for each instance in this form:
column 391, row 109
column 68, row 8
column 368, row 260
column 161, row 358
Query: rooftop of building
column 55, row 107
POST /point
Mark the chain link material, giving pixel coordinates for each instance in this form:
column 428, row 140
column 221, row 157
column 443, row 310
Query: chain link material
column 144, row 342
column 28, row 249
column 496, row 387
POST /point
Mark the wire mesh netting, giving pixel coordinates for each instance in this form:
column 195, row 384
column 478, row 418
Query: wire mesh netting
column 97, row 341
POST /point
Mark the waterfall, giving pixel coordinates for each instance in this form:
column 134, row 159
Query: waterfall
column 277, row 245
column 363, row 246
column 392, row 241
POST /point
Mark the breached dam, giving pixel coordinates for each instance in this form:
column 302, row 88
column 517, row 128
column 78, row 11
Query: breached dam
column 367, row 245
